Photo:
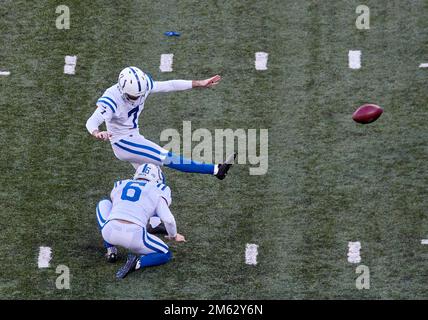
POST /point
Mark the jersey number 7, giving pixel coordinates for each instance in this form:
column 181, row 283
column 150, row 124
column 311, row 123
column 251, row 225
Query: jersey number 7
column 135, row 113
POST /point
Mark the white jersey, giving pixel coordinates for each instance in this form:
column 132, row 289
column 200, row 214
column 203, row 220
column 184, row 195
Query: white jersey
column 121, row 115
column 136, row 200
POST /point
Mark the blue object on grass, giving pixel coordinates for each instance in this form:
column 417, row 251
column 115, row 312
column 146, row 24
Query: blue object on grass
column 172, row 34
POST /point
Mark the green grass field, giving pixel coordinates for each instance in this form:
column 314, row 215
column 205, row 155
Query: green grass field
column 330, row 180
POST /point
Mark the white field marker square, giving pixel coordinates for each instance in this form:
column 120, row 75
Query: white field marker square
column 45, row 256
column 166, row 62
column 70, row 64
column 251, row 254
column 354, row 252
column 261, row 60
column 354, row 57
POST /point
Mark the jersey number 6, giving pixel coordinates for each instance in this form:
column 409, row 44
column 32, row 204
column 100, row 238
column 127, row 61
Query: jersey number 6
column 133, row 195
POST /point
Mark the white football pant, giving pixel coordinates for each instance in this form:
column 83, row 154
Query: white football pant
column 138, row 150
column 129, row 236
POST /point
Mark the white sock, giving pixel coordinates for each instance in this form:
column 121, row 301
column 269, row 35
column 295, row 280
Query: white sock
column 216, row 169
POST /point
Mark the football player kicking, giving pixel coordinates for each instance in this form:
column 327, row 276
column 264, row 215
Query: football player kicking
column 121, row 105
column 123, row 220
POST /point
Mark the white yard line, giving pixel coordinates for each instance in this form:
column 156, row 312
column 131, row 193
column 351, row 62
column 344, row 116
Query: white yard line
column 354, row 252
column 424, row 241
column 4, row 73
column 354, row 57
column 423, row 65
column 261, row 60
column 45, row 256
column 251, row 254
column 166, row 62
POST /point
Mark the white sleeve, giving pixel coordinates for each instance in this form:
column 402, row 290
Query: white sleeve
column 163, row 212
column 113, row 192
column 171, row 85
column 166, row 194
column 94, row 121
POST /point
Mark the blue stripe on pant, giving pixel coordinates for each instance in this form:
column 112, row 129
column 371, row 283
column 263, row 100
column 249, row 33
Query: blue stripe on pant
column 144, row 154
column 141, row 146
column 103, row 221
column 152, row 244
column 160, row 256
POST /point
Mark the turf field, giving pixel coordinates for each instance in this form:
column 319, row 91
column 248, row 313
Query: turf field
column 330, row 180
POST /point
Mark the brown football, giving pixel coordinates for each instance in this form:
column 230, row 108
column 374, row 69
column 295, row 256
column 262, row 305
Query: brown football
column 367, row 113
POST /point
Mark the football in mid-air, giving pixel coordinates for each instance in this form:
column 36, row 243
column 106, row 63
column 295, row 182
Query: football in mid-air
column 367, row 113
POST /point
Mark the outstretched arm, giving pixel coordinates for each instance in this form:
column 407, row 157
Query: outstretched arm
column 180, row 85
column 207, row 83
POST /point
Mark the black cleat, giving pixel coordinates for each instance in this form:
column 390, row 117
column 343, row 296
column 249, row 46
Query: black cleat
column 129, row 266
column 224, row 167
column 111, row 254
column 160, row 229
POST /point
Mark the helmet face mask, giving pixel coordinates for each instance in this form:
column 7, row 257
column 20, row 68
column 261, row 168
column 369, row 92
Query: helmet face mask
column 129, row 97
column 149, row 172
column 132, row 83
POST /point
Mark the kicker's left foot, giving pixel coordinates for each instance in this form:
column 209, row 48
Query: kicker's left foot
column 224, row 167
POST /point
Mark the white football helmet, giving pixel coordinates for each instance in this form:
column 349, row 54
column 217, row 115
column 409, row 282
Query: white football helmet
column 150, row 172
column 133, row 83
